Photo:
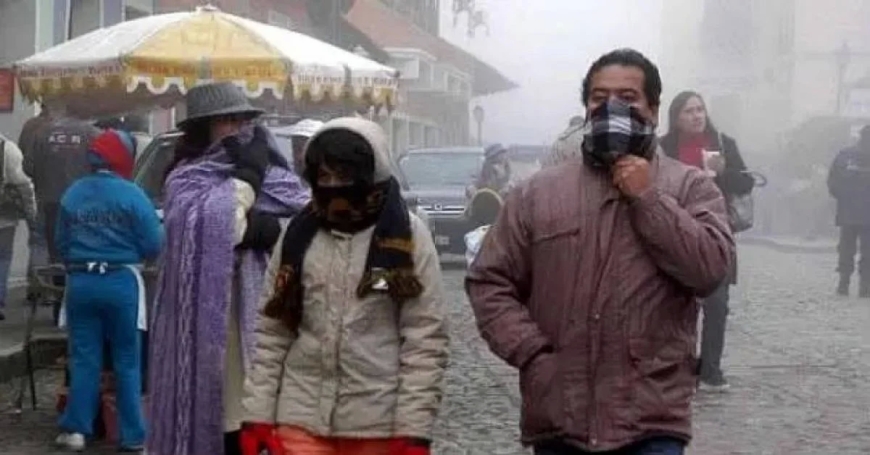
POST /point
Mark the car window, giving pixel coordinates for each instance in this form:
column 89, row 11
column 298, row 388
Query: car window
column 151, row 169
column 285, row 146
column 440, row 170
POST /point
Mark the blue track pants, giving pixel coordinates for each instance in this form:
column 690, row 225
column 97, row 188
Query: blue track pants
column 104, row 307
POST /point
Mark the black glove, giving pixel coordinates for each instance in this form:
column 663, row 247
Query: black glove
column 251, row 159
column 262, row 232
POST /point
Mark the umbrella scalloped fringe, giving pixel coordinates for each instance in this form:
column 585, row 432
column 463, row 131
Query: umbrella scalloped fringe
column 35, row 89
column 161, row 85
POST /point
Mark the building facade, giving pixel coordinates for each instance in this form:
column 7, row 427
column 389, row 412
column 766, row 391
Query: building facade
column 438, row 79
column 766, row 66
column 31, row 26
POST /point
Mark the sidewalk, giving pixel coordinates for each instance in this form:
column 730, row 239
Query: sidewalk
column 787, row 244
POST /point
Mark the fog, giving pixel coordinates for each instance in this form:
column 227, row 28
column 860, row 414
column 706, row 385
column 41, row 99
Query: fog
column 788, row 79
column 546, row 47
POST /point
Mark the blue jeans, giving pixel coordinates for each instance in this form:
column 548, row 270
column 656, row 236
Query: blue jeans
column 104, row 307
column 7, row 244
column 652, row 446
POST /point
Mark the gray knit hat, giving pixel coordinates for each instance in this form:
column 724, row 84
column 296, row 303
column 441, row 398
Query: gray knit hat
column 211, row 100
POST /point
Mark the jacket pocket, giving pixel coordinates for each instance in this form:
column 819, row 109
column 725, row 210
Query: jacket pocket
column 541, row 396
column 664, row 380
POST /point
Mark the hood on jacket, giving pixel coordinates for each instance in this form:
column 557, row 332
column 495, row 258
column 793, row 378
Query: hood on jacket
column 368, row 130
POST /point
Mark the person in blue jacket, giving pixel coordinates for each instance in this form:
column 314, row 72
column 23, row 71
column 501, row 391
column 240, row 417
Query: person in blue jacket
column 106, row 228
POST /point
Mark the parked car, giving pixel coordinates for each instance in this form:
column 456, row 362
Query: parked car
column 438, row 179
column 153, row 162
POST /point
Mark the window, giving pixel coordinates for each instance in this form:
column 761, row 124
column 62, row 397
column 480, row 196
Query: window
column 133, row 13
column 280, row 20
column 786, row 29
column 84, row 16
column 425, row 74
column 441, row 168
column 417, row 135
column 728, row 32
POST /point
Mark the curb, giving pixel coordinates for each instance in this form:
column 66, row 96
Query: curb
column 786, row 247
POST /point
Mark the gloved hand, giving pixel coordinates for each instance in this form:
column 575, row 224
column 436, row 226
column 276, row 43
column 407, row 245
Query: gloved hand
column 256, row 436
column 262, row 232
column 251, row 159
column 410, row 446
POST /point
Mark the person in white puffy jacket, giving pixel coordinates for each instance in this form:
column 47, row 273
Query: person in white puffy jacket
column 18, row 201
column 351, row 346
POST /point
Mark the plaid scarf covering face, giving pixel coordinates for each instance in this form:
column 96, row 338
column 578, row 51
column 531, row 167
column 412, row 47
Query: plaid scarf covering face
column 616, row 129
column 390, row 257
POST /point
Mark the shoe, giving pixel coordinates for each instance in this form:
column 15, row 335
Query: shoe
column 2, row 316
column 843, row 287
column 71, row 441
column 713, row 386
column 132, row 449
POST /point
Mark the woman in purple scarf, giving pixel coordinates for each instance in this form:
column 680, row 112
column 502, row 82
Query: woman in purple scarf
column 225, row 194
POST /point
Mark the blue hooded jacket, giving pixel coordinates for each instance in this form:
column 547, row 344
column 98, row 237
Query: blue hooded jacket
column 106, row 218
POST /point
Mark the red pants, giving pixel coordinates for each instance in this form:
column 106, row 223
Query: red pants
column 297, row 441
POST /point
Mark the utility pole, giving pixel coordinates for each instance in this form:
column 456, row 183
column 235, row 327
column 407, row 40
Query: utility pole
column 843, row 57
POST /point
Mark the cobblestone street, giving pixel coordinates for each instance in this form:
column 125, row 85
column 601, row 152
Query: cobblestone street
column 798, row 359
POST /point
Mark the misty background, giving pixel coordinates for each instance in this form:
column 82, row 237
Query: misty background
column 546, row 46
column 788, row 79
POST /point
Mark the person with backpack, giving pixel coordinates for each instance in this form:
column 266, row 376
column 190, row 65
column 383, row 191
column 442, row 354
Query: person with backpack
column 351, row 346
column 17, row 201
column 693, row 140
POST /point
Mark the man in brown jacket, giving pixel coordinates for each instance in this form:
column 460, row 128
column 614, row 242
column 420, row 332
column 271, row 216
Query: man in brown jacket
column 589, row 281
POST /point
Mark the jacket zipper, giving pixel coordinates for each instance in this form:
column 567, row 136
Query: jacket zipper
column 603, row 257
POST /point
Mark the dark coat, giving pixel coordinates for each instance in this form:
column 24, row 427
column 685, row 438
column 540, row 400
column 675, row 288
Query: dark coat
column 849, row 184
column 733, row 181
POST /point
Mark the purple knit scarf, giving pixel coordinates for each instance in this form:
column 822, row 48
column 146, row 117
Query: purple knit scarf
column 189, row 320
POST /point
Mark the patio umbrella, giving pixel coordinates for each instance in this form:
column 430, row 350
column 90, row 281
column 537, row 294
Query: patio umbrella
column 154, row 61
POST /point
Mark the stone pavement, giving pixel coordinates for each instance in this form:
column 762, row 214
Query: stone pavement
column 797, row 358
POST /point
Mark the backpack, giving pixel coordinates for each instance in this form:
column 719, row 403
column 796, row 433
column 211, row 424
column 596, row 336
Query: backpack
column 11, row 202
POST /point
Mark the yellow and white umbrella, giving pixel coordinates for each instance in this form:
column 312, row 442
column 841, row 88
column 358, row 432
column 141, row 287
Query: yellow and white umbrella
column 156, row 59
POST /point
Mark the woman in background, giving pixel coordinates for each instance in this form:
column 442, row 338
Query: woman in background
column 693, row 140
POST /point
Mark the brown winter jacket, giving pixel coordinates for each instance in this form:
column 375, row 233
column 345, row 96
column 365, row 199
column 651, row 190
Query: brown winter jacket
column 594, row 298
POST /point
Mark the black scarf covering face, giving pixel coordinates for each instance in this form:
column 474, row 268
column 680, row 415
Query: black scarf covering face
column 616, row 129
column 390, row 258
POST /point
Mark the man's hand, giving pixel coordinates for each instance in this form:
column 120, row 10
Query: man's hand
column 632, row 175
